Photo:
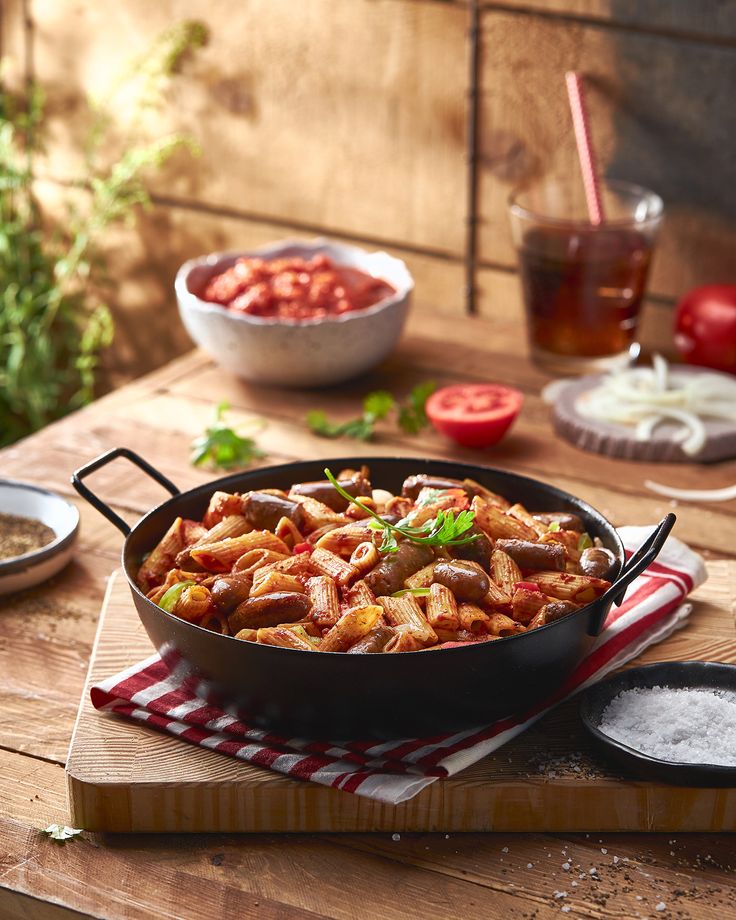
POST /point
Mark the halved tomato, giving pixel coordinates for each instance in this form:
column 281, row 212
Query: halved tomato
column 474, row 414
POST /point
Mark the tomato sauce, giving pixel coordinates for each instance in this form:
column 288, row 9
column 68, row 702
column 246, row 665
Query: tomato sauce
column 295, row 288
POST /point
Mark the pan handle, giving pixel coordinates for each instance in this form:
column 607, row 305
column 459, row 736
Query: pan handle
column 633, row 567
column 103, row 460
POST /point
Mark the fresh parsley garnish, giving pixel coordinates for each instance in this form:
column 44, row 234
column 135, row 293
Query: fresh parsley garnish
column 445, row 529
column 376, row 406
column 222, row 447
column 413, row 416
column 60, row 832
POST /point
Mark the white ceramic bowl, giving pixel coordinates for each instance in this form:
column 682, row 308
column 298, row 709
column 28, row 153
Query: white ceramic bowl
column 61, row 516
column 304, row 353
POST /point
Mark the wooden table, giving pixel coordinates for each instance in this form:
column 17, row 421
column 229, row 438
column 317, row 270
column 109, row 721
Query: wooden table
column 46, row 635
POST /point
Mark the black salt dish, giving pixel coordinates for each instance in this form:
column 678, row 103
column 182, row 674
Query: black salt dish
column 676, row 675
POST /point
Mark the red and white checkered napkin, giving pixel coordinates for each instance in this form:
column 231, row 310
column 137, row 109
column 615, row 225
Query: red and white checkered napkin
column 395, row 771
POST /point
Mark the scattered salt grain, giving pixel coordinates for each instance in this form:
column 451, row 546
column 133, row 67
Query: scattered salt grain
column 639, row 898
column 660, row 906
column 566, row 867
column 530, row 865
column 565, row 909
column 677, row 725
column 615, row 860
column 574, row 883
column 504, row 849
column 395, row 837
column 560, row 894
column 604, row 850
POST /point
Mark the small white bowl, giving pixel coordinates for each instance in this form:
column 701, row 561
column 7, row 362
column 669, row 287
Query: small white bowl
column 302, row 353
column 61, row 516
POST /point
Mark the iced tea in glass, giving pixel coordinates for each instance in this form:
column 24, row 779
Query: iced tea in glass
column 583, row 284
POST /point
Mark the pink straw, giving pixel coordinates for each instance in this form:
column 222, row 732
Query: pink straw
column 576, row 95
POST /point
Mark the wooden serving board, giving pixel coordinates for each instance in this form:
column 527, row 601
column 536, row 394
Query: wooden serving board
column 127, row 777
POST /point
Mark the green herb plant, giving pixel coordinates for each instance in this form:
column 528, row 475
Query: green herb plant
column 53, row 321
column 221, row 447
column 445, row 529
column 411, row 416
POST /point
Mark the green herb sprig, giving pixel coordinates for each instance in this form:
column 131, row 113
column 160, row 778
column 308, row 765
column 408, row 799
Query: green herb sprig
column 445, row 529
column 413, row 416
column 376, row 407
column 54, row 322
column 222, row 447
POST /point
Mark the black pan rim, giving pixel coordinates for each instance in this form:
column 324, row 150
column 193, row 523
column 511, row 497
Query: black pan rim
column 479, row 648
column 611, row 686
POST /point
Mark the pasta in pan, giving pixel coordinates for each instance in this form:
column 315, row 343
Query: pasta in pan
column 337, row 566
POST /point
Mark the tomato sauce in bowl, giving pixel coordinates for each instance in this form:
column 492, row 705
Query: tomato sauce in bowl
column 295, row 288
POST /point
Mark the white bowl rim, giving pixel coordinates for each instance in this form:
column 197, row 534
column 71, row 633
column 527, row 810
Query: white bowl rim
column 315, row 245
column 27, row 560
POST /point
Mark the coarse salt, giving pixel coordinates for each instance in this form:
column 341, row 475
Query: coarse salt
column 676, row 725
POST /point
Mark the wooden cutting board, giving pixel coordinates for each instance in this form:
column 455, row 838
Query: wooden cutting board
column 126, row 777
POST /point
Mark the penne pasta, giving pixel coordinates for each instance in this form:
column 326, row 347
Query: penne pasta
column 352, row 626
column 582, row 589
column 327, row 563
column 405, row 611
column 283, row 637
column 256, row 559
column 343, row 541
column 312, row 569
column 359, row 595
column 526, row 604
column 491, row 497
column 287, row 531
column 500, row 625
column 322, row 592
column 472, row 618
column 568, row 538
column 162, row 557
column 272, row 581
column 364, row 557
column 441, row 609
column 497, row 524
column 422, row 578
column 221, row 505
column 504, row 571
column 404, row 640
column 521, row 514
column 316, row 514
column 222, row 555
column 497, row 599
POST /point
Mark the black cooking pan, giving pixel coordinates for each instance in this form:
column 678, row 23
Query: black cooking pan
column 338, row 696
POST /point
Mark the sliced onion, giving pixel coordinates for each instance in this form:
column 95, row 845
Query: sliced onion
column 693, row 495
column 644, row 397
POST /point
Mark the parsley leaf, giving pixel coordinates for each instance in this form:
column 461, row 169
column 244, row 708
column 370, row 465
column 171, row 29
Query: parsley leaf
column 376, row 406
column 60, row 832
column 445, row 529
column 413, row 417
column 223, row 448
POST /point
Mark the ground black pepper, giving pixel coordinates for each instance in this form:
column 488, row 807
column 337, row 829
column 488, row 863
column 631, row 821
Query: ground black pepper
column 19, row 535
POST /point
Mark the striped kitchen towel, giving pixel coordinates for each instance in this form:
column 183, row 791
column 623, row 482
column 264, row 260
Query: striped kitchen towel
column 394, row 771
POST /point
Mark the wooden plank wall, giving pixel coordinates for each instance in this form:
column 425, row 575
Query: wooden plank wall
column 349, row 118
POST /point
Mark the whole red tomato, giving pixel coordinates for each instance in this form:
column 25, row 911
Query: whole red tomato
column 705, row 327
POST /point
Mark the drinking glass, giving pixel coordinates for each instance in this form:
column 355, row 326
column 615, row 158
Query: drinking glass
column 583, row 283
